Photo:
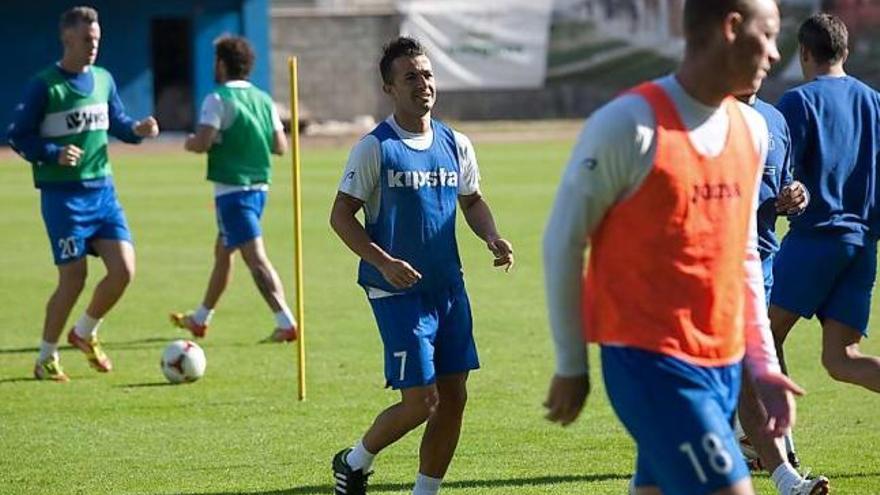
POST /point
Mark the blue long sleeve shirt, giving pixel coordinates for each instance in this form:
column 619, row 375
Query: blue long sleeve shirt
column 835, row 137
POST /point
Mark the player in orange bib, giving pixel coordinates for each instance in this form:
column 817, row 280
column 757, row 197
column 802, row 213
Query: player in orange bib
column 662, row 185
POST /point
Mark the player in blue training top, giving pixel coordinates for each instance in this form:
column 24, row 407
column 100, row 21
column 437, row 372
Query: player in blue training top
column 779, row 194
column 826, row 265
column 409, row 175
column 61, row 127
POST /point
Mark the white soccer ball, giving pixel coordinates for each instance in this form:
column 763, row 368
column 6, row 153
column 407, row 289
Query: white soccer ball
column 183, row 361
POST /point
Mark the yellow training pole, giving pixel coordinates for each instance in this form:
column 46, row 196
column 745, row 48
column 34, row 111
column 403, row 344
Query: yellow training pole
column 297, row 226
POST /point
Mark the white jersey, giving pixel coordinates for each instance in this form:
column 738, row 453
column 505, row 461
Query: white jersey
column 613, row 155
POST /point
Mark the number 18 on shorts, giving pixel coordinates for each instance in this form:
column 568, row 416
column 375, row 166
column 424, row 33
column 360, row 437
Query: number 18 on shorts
column 680, row 416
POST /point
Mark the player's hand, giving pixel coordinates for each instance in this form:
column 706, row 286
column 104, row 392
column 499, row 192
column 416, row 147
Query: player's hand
column 148, row 127
column 792, row 199
column 503, row 251
column 566, row 398
column 69, row 155
column 776, row 392
column 399, row 273
column 190, row 142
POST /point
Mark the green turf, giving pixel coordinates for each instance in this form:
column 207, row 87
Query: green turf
column 241, row 429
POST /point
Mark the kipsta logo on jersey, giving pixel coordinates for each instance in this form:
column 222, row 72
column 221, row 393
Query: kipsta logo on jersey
column 417, row 179
column 709, row 192
column 80, row 119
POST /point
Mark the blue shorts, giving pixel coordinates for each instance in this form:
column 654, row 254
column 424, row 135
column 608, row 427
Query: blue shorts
column 767, row 268
column 826, row 277
column 238, row 216
column 680, row 416
column 426, row 335
column 75, row 217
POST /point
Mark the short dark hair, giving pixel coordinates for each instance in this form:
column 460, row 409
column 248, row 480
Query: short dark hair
column 74, row 16
column 403, row 46
column 701, row 16
column 825, row 37
column 236, row 54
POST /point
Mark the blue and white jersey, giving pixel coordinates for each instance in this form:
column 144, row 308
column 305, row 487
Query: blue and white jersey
column 410, row 185
column 835, row 146
column 777, row 174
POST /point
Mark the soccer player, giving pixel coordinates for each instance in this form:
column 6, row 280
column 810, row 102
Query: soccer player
column 240, row 129
column 407, row 175
column 827, row 263
column 779, row 194
column 663, row 184
column 61, row 128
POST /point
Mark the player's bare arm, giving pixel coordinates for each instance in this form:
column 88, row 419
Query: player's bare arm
column 279, row 143
column 202, row 140
column 479, row 217
column 397, row 272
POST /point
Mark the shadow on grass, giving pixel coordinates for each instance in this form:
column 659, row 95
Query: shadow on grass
column 830, row 475
column 510, row 482
column 141, row 343
column 18, row 379
column 839, row 476
column 20, row 350
column 131, row 344
column 144, row 385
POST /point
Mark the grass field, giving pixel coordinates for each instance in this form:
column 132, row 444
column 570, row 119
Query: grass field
column 241, row 429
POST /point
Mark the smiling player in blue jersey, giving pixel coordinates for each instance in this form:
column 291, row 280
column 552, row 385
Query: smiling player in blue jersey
column 61, row 127
column 410, row 175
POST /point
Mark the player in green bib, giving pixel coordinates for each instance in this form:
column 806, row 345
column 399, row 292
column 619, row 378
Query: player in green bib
column 61, row 127
column 240, row 129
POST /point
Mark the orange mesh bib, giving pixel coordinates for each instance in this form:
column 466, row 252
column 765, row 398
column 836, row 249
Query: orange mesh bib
column 665, row 272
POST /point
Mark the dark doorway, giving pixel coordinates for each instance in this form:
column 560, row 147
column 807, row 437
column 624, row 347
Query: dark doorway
column 172, row 73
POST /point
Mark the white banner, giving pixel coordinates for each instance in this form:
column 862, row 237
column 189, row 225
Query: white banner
column 482, row 44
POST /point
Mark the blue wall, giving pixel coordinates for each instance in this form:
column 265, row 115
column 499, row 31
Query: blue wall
column 32, row 27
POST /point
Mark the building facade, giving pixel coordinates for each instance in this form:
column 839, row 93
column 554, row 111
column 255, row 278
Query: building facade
column 160, row 52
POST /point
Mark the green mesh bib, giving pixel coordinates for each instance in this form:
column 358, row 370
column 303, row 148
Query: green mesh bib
column 75, row 118
column 242, row 155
